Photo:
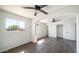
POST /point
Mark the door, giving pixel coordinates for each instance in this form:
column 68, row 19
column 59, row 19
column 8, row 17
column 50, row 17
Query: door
column 60, row 30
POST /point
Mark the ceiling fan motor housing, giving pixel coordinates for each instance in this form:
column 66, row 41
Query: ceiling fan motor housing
column 53, row 20
column 37, row 7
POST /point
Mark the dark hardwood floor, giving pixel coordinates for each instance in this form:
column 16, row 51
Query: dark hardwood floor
column 47, row 45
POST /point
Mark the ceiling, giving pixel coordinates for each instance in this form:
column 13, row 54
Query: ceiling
column 62, row 18
column 17, row 9
column 51, row 9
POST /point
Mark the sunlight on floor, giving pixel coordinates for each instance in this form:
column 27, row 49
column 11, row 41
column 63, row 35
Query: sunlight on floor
column 22, row 52
column 40, row 41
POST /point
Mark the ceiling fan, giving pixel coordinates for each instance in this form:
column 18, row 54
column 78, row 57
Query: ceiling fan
column 37, row 7
column 55, row 20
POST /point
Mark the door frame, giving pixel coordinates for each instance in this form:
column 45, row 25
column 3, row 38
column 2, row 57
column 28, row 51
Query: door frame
column 57, row 30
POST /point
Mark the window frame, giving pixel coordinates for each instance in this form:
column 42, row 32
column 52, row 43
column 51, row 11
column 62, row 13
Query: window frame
column 17, row 24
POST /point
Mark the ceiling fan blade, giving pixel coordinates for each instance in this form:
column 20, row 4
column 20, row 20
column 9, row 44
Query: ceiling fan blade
column 55, row 20
column 42, row 6
column 58, row 20
column 29, row 7
column 35, row 14
column 43, row 12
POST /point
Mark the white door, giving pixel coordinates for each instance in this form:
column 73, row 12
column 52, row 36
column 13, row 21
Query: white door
column 59, row 30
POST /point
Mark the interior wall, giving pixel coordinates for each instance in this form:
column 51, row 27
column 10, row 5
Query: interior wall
column 41, row 30
column 12, row 39
column 34, row 35
column 77, row 31
column 0, row 31
column 69, row 31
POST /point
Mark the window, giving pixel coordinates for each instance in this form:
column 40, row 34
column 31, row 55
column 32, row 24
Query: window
column 21, row 26
column 14, row 25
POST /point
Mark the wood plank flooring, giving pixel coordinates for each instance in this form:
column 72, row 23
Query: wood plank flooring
column 47, row 45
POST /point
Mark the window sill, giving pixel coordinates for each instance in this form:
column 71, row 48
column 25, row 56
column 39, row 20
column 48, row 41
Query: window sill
column 15, row 31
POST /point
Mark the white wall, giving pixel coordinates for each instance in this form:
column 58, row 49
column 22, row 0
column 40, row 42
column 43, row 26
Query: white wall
column 68, row 29
column 34, row 36
column 41, row 30
column 12, row 39
column 77, row 30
